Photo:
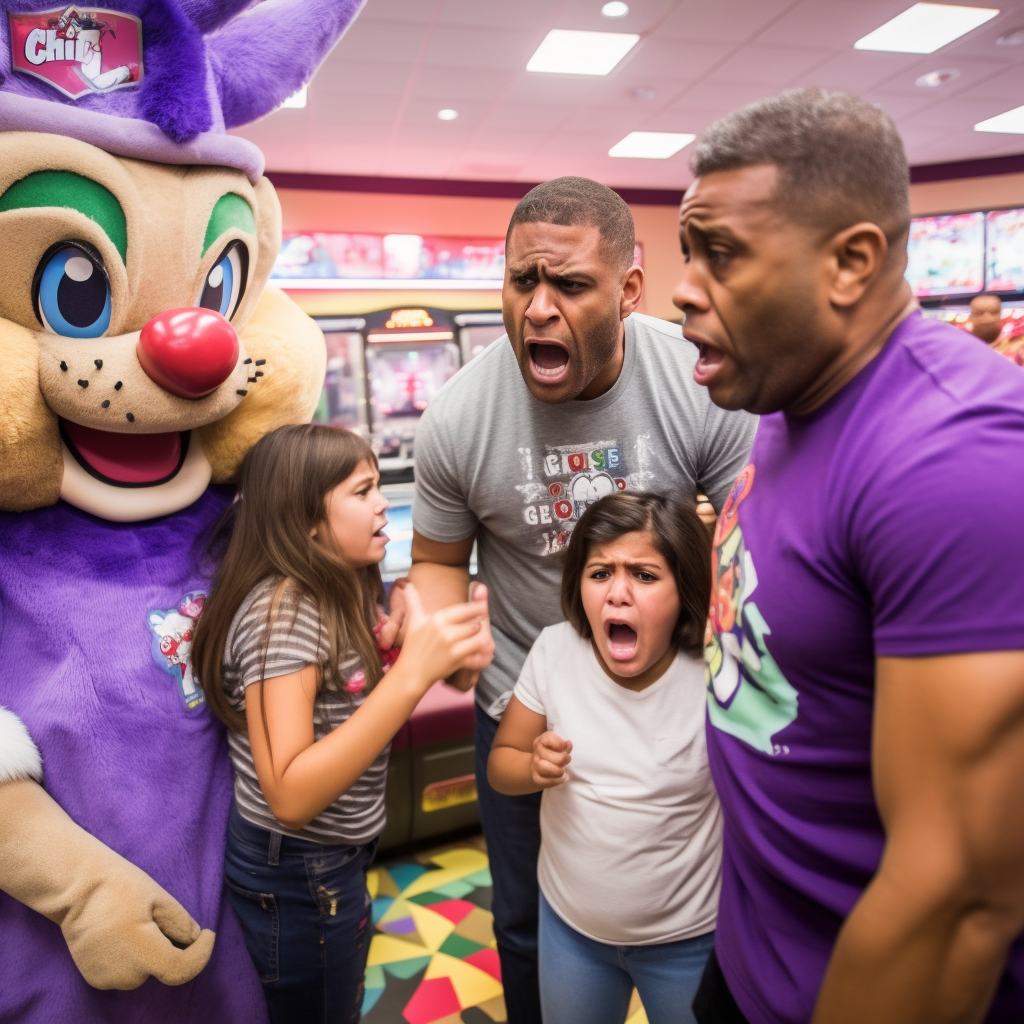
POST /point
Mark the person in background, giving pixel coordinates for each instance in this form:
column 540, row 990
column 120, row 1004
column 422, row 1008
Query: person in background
column 289, row 653
column 631, row 845
column 866, row 670
column 987, row 323
column 986, row 317
column 583, row 397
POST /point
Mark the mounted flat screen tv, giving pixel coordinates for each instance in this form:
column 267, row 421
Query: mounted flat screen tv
column 1004, row 255
column 946, row 255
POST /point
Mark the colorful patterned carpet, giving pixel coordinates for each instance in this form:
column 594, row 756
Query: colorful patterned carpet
column 433, row 959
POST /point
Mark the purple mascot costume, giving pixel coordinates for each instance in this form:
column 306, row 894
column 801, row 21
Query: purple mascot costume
column 141, row 355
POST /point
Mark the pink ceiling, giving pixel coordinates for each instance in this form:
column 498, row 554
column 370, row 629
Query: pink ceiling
column 373, row 105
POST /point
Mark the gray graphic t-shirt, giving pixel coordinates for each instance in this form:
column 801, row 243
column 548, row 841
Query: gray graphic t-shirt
column 492, row 459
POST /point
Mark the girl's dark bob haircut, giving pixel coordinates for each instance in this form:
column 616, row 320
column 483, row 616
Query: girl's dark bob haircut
column 678, row 536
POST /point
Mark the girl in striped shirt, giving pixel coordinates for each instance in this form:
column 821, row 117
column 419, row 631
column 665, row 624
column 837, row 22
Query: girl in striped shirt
column 291, row 650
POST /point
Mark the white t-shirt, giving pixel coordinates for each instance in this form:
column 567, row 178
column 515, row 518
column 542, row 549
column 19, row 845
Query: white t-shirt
column 631, row 846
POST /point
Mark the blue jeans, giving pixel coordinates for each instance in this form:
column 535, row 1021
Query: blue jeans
column 305, row 915
column 588, row 982
column 511, row 827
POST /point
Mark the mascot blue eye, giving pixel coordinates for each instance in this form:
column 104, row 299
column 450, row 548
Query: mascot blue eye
column 73, row 293
column 225, row 283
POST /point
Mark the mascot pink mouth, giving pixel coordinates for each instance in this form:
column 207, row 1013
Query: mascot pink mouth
column 126, row 460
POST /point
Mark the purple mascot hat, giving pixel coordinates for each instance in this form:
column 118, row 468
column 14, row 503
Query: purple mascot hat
column 158, row 80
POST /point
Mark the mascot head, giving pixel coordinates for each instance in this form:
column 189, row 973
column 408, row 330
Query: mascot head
column 140, row 353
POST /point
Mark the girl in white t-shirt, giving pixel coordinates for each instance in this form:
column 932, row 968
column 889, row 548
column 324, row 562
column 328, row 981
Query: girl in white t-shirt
column 631, row 832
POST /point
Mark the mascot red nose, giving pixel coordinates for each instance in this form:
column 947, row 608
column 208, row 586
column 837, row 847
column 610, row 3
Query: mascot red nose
column 141, row 355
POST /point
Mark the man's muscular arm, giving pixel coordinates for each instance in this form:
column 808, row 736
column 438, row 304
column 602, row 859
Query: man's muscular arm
column 927, row 941
column 440, row 571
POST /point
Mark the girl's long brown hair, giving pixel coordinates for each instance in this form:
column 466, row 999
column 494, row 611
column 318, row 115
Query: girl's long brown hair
column 283, row 486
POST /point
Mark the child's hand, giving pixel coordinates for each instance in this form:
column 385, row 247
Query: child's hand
column 450, row 639
column 389, row 627
column 706, row 511
column 550, row 757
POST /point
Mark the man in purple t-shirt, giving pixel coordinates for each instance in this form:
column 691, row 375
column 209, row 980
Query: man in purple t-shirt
column 866, row 675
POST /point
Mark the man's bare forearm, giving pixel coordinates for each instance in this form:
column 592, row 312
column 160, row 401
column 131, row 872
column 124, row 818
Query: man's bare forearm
column 440, row 585
column 904, row 957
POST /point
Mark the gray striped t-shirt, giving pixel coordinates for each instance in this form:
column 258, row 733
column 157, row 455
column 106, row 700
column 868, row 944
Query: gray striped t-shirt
column 296, row 640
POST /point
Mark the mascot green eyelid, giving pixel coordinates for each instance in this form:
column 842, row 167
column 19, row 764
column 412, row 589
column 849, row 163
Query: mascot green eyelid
column 124, row 201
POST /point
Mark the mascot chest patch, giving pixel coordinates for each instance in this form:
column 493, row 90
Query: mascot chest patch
column 172, row 643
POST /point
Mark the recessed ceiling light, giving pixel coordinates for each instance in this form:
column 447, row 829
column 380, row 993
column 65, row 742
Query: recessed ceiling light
column 1012, row 38
column 924, row 28
column 567, row 52
column 644, row 92
column 936, row 78
column 1011, row 122
column 615, row 9
column 296, row 101
column 447, row 114
column 651, row 145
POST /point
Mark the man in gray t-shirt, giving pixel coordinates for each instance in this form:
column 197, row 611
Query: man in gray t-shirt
column 582, row 397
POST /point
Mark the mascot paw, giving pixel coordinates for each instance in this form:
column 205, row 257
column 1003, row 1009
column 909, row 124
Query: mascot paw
column 129, row 929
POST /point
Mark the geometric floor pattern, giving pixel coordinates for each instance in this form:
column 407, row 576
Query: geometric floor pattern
column 432, row 957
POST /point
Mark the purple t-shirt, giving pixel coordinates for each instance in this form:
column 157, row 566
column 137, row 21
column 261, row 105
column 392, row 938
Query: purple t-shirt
column 886, row 523
column 95, row 630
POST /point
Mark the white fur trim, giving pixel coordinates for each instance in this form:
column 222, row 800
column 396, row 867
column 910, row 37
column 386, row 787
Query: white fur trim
column 19, row 756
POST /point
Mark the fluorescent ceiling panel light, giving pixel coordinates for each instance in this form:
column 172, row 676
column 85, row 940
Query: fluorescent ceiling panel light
column 296, row 101
column 1009, row 123
column 651, row 145
column 565, row 52
column 925, row 28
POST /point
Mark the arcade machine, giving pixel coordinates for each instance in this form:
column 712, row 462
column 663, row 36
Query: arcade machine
column 383, row 369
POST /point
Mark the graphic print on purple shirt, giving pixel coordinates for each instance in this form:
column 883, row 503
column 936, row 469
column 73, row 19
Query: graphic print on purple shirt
column 884, row 524
column 748, row 695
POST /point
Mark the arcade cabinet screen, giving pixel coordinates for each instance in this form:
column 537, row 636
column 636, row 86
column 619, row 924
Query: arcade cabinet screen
column 403, row 381
column 946, row 255
column 341, row 401
column 1004, row 259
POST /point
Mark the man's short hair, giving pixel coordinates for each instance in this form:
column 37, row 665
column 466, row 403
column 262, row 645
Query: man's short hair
column 840, row 159
column 570, row 201
column 988, row 295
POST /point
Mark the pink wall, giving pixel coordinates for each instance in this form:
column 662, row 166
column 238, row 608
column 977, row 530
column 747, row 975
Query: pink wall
column 306, row 210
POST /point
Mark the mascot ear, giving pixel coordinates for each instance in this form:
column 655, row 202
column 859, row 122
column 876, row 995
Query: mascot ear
column 208, row 15
column 31, row 463
column 287, row 40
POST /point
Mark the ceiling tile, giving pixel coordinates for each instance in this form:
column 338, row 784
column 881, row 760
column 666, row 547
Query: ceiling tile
column 474, row 13
column 834, row 24
column 390, row 43
column 404, row 12
column 360, row 80
column 770, row 67
column 723, row 21
column 487, row 49
column 451, row 83
column 857, row 70
column 677, row 59
column 522, row 117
